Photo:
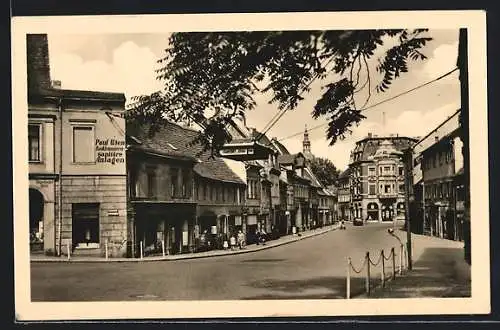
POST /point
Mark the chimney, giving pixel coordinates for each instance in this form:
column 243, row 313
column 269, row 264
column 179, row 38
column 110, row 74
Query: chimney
column 436, row 138
column 37, row 47
column 370, row 135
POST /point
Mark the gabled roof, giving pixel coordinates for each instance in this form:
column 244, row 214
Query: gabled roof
column 172, row 139
column 282, row 150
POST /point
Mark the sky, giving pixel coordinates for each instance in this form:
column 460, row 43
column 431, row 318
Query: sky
column 126, row 63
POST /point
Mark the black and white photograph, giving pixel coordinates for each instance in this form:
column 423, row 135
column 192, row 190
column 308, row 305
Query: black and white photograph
column 250, row 165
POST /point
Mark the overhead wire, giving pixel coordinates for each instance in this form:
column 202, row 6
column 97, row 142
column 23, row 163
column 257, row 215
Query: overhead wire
column 381, row 102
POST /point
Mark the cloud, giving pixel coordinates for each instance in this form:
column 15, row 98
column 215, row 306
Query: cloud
column 131, row 71
column 407, row 123
column 443, row 58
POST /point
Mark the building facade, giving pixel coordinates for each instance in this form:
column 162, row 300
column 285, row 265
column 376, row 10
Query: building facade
column 77, row 164
column 438, row 181
column 377, row 178
column 179, row 193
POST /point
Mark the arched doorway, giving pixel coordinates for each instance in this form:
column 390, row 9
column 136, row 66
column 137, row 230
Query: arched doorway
column 36, row 219
column 372, row 211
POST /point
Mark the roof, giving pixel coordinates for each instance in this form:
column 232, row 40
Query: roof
column 310, row 175
column 80, row 94
column 288, row 159
column 369, row 146
column 280, row 147
column 174, row 140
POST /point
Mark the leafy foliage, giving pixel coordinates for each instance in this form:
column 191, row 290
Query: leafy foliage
column 223, row 71
column 324, row 169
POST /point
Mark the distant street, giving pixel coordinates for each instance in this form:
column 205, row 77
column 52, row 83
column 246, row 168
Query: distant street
column 312, row 268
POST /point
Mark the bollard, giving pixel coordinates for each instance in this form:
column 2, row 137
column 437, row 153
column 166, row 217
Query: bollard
column 69, row 251
column 382, row 257
column 141, row 250
column 163, row 247
column 348, row 279
column 106, row 249
column 393, row 263
column 401, row 260
column 367, row 281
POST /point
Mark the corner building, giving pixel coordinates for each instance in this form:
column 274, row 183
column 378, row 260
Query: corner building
column 77, row 170
column 377, row 178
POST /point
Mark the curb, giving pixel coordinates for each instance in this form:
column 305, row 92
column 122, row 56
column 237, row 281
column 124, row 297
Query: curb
column 180, row 257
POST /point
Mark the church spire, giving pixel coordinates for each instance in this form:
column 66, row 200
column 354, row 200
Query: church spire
column 306, row 144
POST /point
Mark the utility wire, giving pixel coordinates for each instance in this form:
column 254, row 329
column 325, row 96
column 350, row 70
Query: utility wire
column 381, row 102
column 280, row 113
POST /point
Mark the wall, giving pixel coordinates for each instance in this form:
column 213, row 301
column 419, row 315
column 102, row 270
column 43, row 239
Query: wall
column 110, row 193
column 108, row 138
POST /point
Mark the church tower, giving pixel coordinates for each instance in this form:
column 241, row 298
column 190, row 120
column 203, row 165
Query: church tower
column 306, row 144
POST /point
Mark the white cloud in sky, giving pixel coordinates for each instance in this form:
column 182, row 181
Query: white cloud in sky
column 131, row 71
column 408, row 123
column 443, row 58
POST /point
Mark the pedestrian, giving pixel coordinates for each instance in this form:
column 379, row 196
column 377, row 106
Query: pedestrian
column 232, row 242
column 241, row 239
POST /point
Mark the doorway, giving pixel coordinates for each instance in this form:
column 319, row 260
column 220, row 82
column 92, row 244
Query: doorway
column 36, row 210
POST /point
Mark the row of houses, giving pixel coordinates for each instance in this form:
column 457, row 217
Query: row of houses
column 372, row 188
column 100, row 184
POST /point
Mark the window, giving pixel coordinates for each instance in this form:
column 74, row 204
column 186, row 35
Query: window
column 400, row 170
column 83, row 144
column 372, row 189
column 85, row 224
column 133, row 185
column 174, row 181
column 387, row 169
column 34, row 142
column 371, row 170
column 186, row 191
column 151, row 177
column 387, row 189
column 206, row 191
column 441, row 156
column 401, row 188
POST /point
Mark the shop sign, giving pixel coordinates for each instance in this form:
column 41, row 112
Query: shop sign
column 110, row 151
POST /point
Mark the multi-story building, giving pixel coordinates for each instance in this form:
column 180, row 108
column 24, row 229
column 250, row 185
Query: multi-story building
column 440, row 166
column 77, row 166
column 177, row 193
column 263, row 207
column 344, row 196
column 377, row 178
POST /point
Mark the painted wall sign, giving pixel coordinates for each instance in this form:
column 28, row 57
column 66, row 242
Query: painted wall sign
column 111, row 151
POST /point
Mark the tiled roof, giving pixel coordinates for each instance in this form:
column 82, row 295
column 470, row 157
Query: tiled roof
column 174, row 140
column 286, row 159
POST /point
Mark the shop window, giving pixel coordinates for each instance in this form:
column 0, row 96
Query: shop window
column 85, row 226
column 83, row 144
column 34, row 142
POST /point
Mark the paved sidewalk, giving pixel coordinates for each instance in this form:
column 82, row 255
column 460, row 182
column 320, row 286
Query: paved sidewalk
column 214, row 253
column 439, row 270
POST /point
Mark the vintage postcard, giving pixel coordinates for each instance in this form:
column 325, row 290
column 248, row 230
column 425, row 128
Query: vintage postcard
column 250, row 165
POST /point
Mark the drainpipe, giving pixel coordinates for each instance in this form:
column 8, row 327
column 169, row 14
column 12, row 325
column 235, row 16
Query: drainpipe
column 59, row 225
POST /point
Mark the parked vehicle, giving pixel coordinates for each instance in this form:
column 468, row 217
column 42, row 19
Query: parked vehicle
column 357, row 222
